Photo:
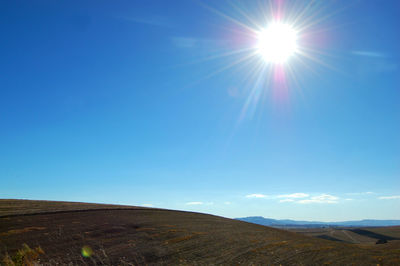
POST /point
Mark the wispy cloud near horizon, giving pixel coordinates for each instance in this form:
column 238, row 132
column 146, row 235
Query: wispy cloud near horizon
column 323, row 198
column 360, row 193
column 287, row 200
column 194, row 203
column 299, row 197
column 294, row 195
column 389, row 197
column 199, row 203
column 258, row 196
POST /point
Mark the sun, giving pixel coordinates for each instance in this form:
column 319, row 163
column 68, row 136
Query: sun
column 277, row 43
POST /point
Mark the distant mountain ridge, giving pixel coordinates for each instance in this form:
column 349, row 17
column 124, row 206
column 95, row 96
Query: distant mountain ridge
column 292, row 223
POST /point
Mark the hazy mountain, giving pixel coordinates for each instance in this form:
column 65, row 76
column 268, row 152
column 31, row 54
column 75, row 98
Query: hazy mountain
column 281, row 223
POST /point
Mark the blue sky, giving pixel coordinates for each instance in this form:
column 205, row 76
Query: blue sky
column 150, row 103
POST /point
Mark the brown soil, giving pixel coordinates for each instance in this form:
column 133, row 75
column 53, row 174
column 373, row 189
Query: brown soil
column 144, row 236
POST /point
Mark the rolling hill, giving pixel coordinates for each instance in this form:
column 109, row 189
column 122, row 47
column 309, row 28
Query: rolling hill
column 80, row 233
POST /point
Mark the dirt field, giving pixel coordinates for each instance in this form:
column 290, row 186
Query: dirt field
column 104, row 235
column 364, row 235
column 9, row 207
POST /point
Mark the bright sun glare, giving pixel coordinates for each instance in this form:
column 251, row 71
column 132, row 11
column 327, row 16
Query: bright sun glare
column 277, row 43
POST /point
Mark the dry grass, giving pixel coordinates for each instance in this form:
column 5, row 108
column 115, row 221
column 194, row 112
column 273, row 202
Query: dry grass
column 20, row 231
column 145, row 229
column 10, row 207
column 178, row 239
column 25, row 256
column 163, row 237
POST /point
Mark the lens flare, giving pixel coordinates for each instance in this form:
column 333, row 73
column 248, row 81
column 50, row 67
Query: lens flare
column 86, row 251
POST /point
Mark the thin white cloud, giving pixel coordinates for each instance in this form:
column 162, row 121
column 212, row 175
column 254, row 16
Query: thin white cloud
column 390, row 197
column 198, row 43
column 294, row 195
column 258, row 196
column 194, row 203
column 184, row 42
column 361, row 193
column 227, row 203
column 147, row 205
column 158, row 21
column 348, row 199
column 386, row 67
column 287, row 200
column 323, row 198
column 369, row 54
column 377, row 63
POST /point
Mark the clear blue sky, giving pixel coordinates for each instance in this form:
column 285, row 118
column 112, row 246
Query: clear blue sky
column 133, row 102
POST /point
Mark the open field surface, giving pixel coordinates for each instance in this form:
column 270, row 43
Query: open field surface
column 363, row 235
column 145, row 236
column 393, row 231
column 9, row 207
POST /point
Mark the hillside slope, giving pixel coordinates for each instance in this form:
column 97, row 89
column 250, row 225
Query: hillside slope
column 292, row 223
column 140, row 236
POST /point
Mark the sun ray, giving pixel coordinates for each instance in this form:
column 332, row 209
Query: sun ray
column 216, row 56
column 320, row 62
column 314, row 21
column 279, row 46
column 231, row 65
column 237, row 22
column 248, row 17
